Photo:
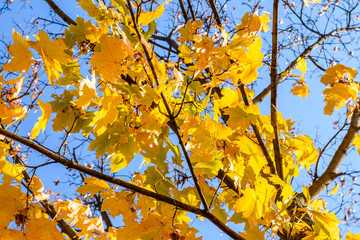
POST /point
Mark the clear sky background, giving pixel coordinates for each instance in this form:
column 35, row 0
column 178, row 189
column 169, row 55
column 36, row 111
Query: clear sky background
column 307, row 112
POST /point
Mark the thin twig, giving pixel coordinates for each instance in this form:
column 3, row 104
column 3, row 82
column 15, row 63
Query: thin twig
column 331, row 172
column 323, row 150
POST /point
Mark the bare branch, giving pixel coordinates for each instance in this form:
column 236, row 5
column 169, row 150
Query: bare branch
column 282, row 76
column 331, row 172
column 60, row 12
column 273, row 103
column 216, row 14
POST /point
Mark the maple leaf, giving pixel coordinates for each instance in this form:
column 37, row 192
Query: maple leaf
column 37, row 188
column 13, row 200
column 253, row 23
column 42, row 120
column 52, row 53
column 301, row 65
column 8, row 114
column 334, row 190
column 187, row 32
column 247, row 63
column 87, row 92
column 93, row 186
column 337, row 95
column 147, row 17
column 42, row 229
column 351, row 236
column 111, row 60
column 9, row 170
column 338, row 73
column 84, row 31
column 305, row 151
column 90, row 7
column 112, row 201
column 300, row 88
column 21, row 60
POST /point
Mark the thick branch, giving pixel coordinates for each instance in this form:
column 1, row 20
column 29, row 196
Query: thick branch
column 172, row 43
column 281, row 77
column 60, row 12
column 273, row 103
column 183, row 10
column 331, row 172
column 216, row 14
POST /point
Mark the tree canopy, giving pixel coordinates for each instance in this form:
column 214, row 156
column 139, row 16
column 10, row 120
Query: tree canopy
column 158, row 113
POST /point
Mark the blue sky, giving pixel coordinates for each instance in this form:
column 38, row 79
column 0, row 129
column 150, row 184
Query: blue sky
column 307, row 112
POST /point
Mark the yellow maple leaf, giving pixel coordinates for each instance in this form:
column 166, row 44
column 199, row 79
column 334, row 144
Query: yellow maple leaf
column 253, row 23
column 42, row 229
column 334, row 190
column 338, row 94
column 37, row 188
column 13, row 200
column 338, row 73
column 21, row 60
column 301, row 65
column 147, row 17
column 247, row 203
column 245, row 69
column 351, row 236
column 93, row 186
column 187, row 32
column 11, row 171
column 305, row 151
column 110, row 61
column 8, row 114
column 356, row 142
column 52, row 53
column 112, row 201
column 301, row 90
column 108, row 111
column 326, row 225
column 90, row 7
column 87, row 92
column 42, row 120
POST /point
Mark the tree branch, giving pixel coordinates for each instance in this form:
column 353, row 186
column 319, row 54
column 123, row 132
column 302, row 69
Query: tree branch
column 273, row 103
column 170, row 114
column 183, row 10
column 282, row 76
column 258, row 135
column 60, row 12
column 73, row 165
column 331, row 172
column 326, row 145
column 216, row 14
column 65, row 228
